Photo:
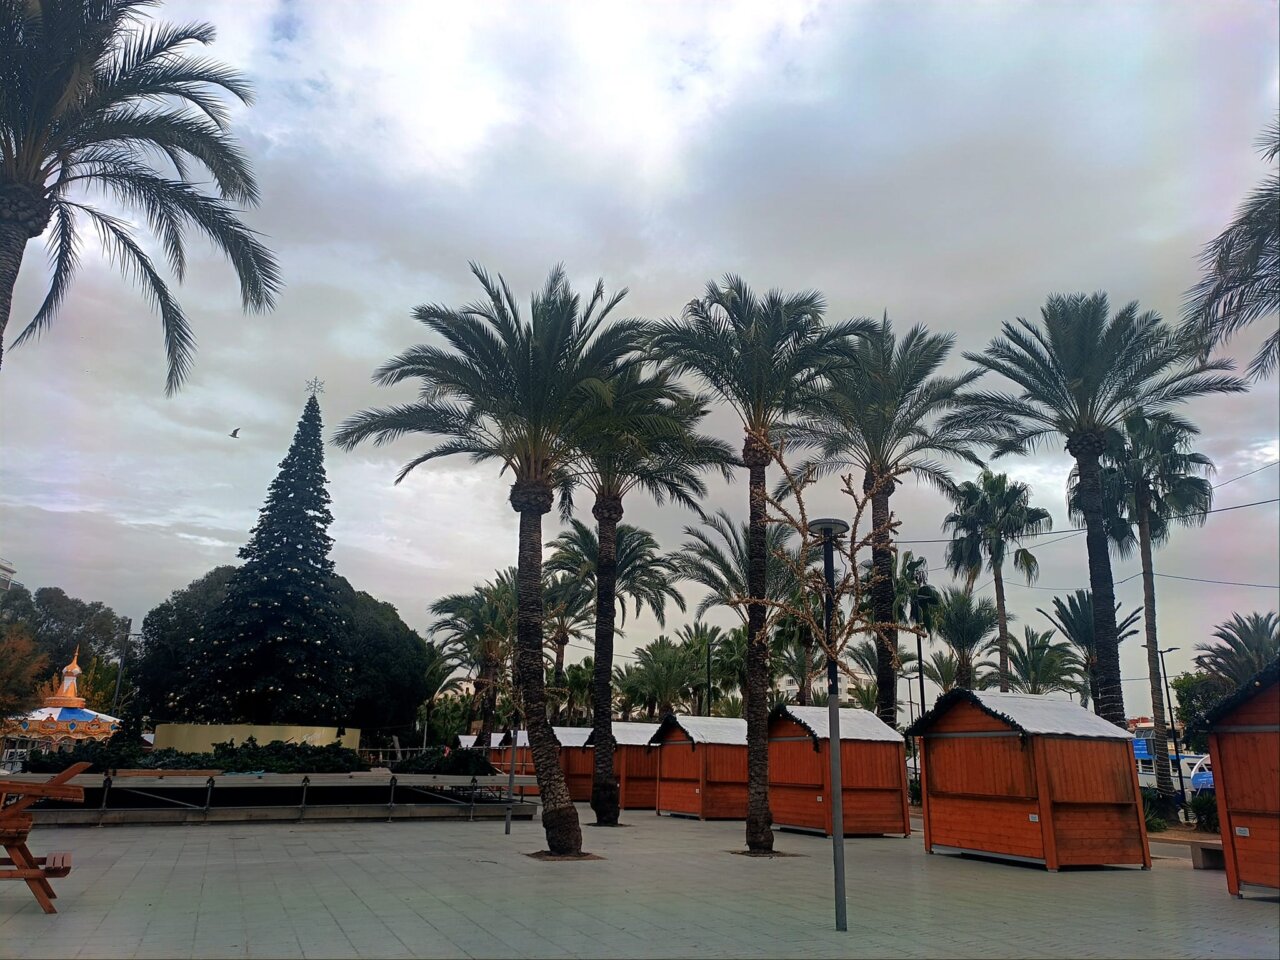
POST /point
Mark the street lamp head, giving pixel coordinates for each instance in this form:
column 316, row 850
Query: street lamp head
column 828, row 527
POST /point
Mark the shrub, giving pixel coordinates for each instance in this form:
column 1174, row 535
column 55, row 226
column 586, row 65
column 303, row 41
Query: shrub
column 1204, row 805
column 1151, row 809
column 913, row 791
column 249, row 757
column 463, row 763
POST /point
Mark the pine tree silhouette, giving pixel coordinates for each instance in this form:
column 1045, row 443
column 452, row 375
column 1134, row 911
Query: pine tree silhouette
column 272, row 652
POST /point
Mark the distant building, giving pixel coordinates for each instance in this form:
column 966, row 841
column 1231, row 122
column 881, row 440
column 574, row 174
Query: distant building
column 818, row 684
column 7, row 570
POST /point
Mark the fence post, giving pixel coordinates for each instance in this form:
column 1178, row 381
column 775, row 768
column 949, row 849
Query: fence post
column 391, row 801
column 302, row 808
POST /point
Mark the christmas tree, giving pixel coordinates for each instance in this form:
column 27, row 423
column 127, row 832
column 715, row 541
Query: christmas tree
column 272, row 652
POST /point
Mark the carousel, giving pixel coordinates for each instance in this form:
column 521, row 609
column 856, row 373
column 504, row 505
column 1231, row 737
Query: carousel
column 60, row 723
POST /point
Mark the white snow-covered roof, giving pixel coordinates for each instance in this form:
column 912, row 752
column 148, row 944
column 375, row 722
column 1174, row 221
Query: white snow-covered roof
column 572, row 736
column 726, row 730
column 467, row 741
column 1035, row 714
column 504, row 739
column 629, row 734
column 854, row 724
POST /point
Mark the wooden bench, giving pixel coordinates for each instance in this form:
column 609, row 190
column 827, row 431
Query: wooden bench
column 15, row 825
column 1207, row 854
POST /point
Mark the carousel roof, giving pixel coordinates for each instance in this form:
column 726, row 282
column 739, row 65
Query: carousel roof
column 65, row 706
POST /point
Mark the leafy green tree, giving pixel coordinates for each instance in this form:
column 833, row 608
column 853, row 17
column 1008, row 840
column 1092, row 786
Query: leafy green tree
column 273, row 651
column 989, row 516
column 1073, row 618
column 567, row 609
column 1241, row 266
column 1197, row 694
column 439, row 684
column 1039, row 664
column 629, row 692
column 668, row 673
column 171, row 633
column 1152, row 482
column 886, row 417
column 519, row 393
column 96, row 97
column 965, row 624
column 60, row 625
column 1079, row 374
column 942, row 669
column 21, row 666
column 701, row 640
column 1245, row 645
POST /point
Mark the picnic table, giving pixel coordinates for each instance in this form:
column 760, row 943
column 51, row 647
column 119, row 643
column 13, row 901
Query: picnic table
column 15, row 824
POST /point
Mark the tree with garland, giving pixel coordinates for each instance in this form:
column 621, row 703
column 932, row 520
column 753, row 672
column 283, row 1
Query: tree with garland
column 271, row 653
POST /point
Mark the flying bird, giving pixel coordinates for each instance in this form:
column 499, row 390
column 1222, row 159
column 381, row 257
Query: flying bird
column 234, row 434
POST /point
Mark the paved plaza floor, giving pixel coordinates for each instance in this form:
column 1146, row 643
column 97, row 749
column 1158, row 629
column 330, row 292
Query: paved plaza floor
column 665, row 888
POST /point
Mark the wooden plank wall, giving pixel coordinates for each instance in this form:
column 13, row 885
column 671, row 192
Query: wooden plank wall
column 1246, row 774
column 1094, row 808
column 637, row 769
column 680, row 776
column 724, row 795
column 578, row 764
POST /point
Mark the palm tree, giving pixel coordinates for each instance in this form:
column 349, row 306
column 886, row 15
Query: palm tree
column 1151, row 482
column 864, row 696
column 730, row 706
column 1241, row 281
column 769, row 359
column 628, row 689
column 886, row 417
column 96, row 97
column 915, row 603
column 1081, row 373
column 729, row 662
column 1039, row 664
column 701, row 640
column 1074, row 619
column 965, row 624
column 481, row 626
column 668, row 671
column 942, row 670
column 646, row 577
column 1246, row 646
column 989, row 516
column 578, row 689
column 567, row 612
column 517, row 392
column 796, row 657
column 717, row 556
column 441, row 664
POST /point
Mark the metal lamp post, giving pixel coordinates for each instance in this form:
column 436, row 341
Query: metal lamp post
column 830, row 529
column 1171, row 724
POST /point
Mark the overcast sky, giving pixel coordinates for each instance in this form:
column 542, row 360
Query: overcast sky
column 950, row 163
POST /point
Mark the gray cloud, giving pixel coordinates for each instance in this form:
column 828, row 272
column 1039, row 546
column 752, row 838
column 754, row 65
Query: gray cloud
column 950, row 164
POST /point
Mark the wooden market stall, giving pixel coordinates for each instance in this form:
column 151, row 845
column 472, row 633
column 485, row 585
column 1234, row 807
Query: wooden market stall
column 577, row 760
column 1244, row 748
column 1031, row 778
column 873, row 772
column 635, row 763
column 500, row 755
column 702, row 767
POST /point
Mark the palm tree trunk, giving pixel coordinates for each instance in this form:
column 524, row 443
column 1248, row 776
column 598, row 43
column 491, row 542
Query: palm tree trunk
column 1160, row 732
column 1086, row 451
column 882, row 602
column 756, row 708
column 604, row 782
column 488, row 701
column 807, row 646
column 559, row 816
column 13, row 241
column 1003, row 619
column 964, row 671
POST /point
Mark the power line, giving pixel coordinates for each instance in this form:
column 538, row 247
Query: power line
column 1218, row 486
column 1230, row 583
column 1074, row 530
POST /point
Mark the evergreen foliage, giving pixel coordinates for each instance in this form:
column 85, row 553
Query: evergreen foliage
column 272, row 652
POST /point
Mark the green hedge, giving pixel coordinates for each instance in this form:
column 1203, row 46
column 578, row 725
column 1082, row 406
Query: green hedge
column 470, row 763
column 248, row 757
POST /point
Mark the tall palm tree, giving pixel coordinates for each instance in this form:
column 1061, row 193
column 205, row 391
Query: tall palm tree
column 915, row 603
column 1241, row 265
column 646, row 577
column 567, row 611
column 991, row 515
column 578, row 689
column 796, row 657
column 518, row 392
column 481, row 626
column 1151, row 482
column 1074, row 619
column 668, row 671
column 729, row 662
column 1039, row 664
column 94, row 96
column 641, row 437
column 941, row 669
column 717, row 556
column 769, row 358
column 1245, row 646
column 701, row 640
column 628, row 689
column 886, row 416
column 965, row 623
column 1079, row 373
